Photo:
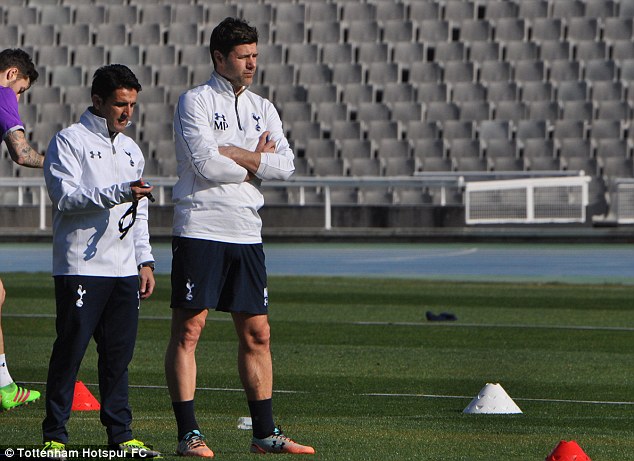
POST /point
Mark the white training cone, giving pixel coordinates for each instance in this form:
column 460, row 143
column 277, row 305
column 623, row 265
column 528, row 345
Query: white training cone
column 492, row 399
column 245, row 423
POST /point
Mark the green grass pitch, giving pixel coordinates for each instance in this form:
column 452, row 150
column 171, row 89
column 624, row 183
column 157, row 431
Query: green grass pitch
column 361, row 375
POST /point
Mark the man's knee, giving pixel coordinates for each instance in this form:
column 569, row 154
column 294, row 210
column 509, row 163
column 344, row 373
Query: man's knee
column 186, row 330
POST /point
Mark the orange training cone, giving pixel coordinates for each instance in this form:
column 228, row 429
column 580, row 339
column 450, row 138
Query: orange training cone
column 83, row 400
column 568, row 451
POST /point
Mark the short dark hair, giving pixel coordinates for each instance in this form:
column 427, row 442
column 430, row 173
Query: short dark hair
column 230, row 33
column 108, row 79
column 21, row 60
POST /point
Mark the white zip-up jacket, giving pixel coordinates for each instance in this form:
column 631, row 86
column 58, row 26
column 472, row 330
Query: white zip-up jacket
column 88, row 178
column 212, row 199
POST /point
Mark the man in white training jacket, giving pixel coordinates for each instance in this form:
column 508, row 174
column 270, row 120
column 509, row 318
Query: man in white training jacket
column 102, row 259
column 228, row 140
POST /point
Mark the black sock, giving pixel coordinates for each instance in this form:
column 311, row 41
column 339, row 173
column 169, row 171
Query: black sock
column 185, row 417
column 262, row 417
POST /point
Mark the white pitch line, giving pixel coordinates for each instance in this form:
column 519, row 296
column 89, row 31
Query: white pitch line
column 371, row 394
column 495, row 325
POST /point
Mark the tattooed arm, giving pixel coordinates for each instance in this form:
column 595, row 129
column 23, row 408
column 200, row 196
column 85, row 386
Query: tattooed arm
column 21, row 151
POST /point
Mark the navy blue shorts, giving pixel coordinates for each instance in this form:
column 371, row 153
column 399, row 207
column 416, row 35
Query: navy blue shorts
column 226, row 277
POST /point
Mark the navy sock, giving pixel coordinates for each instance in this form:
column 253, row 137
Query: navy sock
column 185, row 417
column 262, row 417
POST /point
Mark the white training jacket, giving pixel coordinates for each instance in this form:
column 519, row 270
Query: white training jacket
column 88, row 178
column 212, row 199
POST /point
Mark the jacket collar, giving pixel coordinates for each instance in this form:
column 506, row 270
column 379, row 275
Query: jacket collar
column 220, row 83
column 97, row 124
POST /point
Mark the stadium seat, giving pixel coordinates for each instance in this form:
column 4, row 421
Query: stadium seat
column 216, row 12
column 22, row 15
column 321, row 93
column 397, row 166
column 579, row 29
column 616, row 29
column 536, row 91
column 393, row 92
column 502, row 91
column 546, row 29
column 289, row 32
column 314, row 74
column 509, row 29
column 550, row 50
column 188, row 13
column 457, row 129
column 424, row 10
column 262, row 11
column 459, row 10
column 285, row 12
column 418, row 129
column 501, row 9
column 109, row 34
column 347, row 73
column 326, row 166
column 367, row 111
column 404, row 111
column 577, row 110
column 446, row 52
column 572, row 128
column 160, row 55
column 607, row 91
column 182, row 34
column 600, row 8
column 301, row 53
column 404, row 53
column 66, row 75
column 529, row 70
column 494, row 129
column 564, row 70
column 320, row 148
column 571, row 90
column 364, row 167
column 433, row 31
column 510, row 110
column 53, row 55
column 355, row 148
column 355, row 93
column 531, row 9
column 441, row 111
column 568, row 8
column 606, row 129
column 89, row 14
column 129, row 55
column 318, row 11
column 325, row 32
column 279, row 74
column 459, row 71
column 613, row 110
column 156, row 14
column 426, row 148
column 590, row 49
column 500, row 148
column 623, row 49
column 368, row 53
column 389, row 11
column 330, row 112
column 122, row 14
column 518, row 50
column 461, row 148
column 495, row 71
column 543, row 110
column 398, row 30
column 475, row 30
column 382, row 129
column 484, row 51
column 387, row 148
column 362, row 31
column 527, row 129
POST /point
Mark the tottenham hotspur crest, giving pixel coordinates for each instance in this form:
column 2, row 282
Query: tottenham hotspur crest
column 81, row 292
column 190, row 286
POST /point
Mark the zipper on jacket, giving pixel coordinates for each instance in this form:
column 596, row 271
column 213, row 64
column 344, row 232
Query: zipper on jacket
column 237, row 114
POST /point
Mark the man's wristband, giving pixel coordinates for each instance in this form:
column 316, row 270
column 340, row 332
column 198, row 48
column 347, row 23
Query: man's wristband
column 148, row 264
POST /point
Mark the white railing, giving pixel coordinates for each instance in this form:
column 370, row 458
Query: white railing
column 622, row 200
column 443, row 181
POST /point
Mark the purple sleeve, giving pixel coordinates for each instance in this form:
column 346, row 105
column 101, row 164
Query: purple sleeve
column 9, row 116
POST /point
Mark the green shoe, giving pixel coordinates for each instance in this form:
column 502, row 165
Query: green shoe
column 13, row 396
column 55, row 450
column 137, row 449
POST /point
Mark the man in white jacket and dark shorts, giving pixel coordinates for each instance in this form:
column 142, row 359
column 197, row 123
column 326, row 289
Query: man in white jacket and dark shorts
column 228, row 140
column 102, row 259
